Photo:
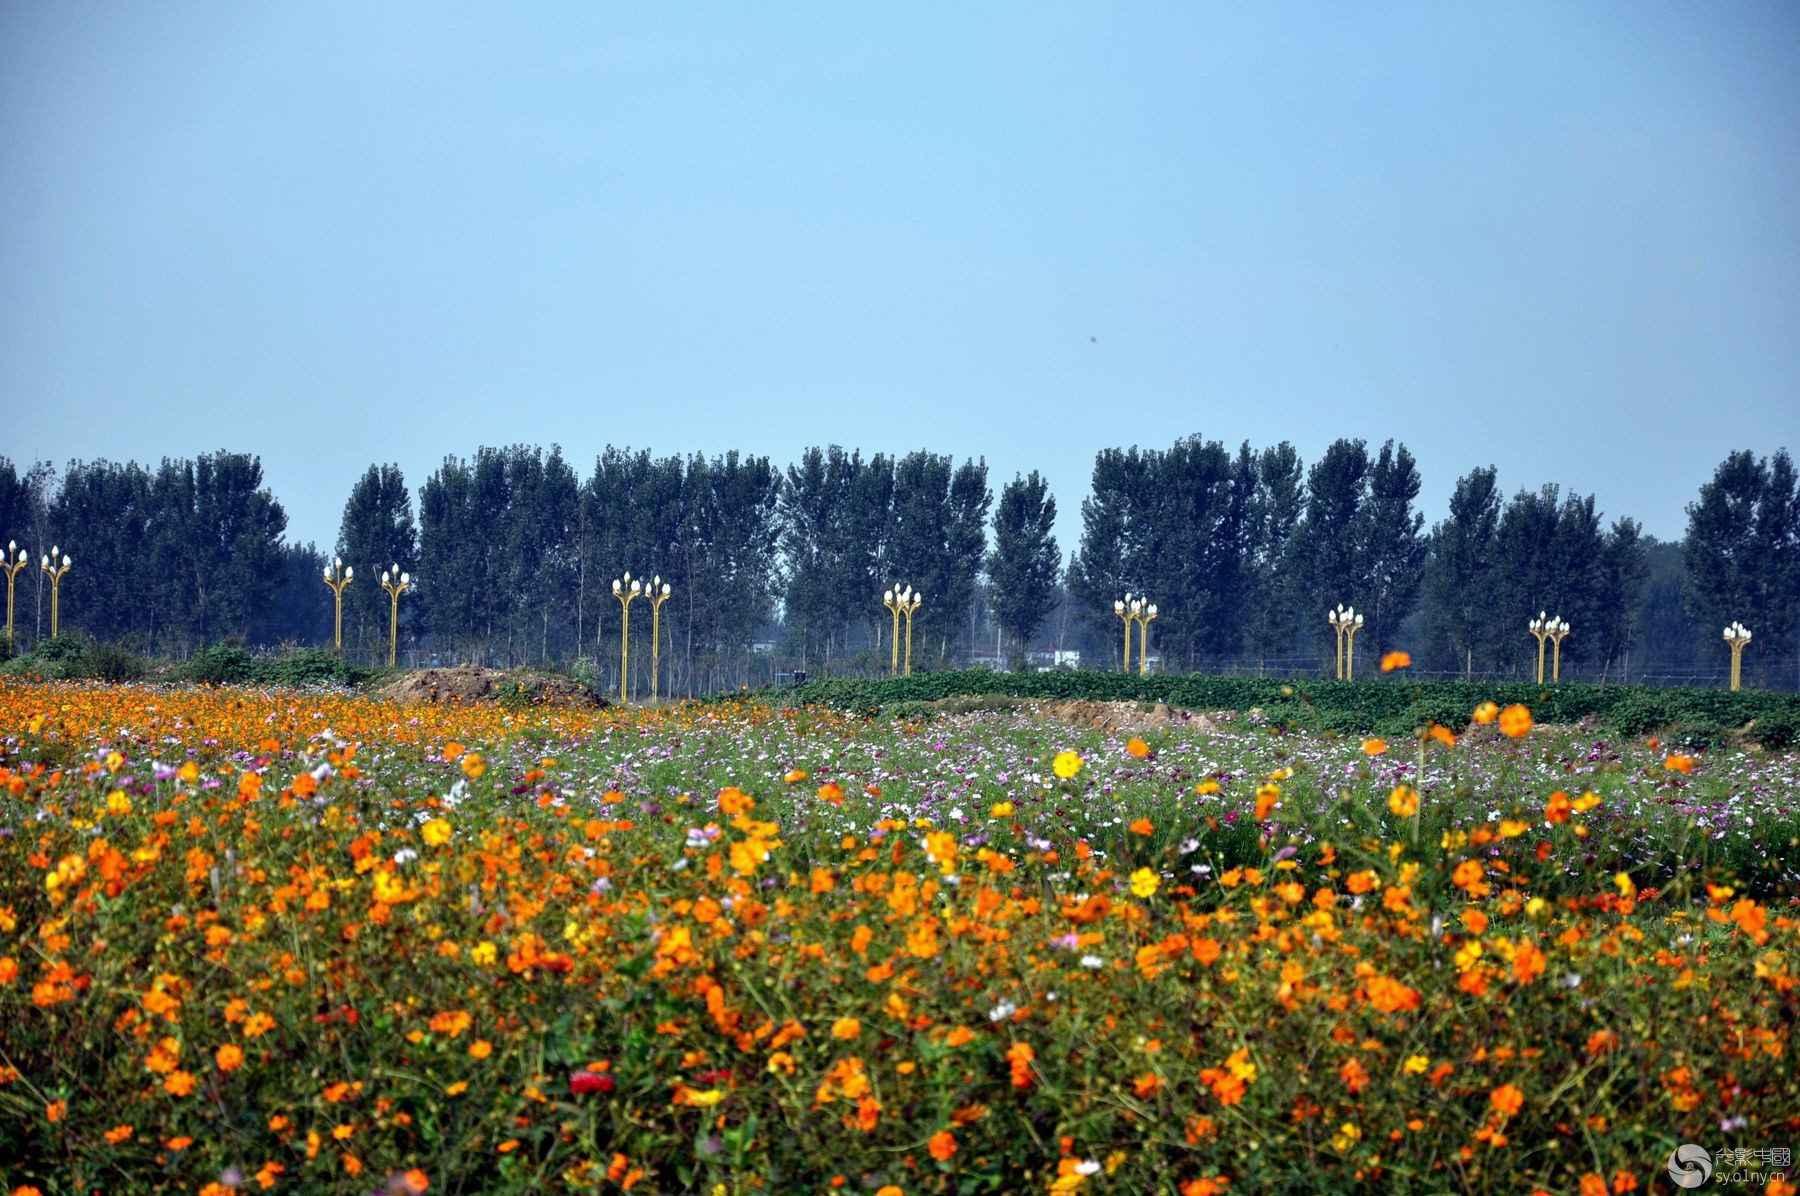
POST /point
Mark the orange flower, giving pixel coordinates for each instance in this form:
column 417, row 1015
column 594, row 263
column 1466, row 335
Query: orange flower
column 179, row 1083
column 794, row 776
column 1143, row 826
column 1506, row 1099
column 1486, row 713
column 228, row 1057
column 1138, row 748
column 1593, row 1185
column 1559, row 808
column 1268, row 796
column 473, row 766
column 1680, row 764
column 1403, row 802
column 1019, row 1056
column 1395, row 660
column 118, row 1134
column 846, row 1028
column 942, row 1145
column 1515, row 721
column 1374, row 747
column 481, row 1048
column 831, row 792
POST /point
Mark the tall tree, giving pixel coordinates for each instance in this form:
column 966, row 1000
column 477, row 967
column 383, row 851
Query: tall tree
column 1023, row 565
column 1327, row 542
column 1272, row 617
column 1743, row 555
column 1459, row 630
column 1623, row 574
column 1391, row 548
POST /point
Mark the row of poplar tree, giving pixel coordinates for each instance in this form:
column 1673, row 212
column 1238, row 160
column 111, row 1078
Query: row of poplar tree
column 514, row 555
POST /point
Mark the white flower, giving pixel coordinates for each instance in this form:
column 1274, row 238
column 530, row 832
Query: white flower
column 1087, row 1167
column 1002, row 1011
column 1092, row 961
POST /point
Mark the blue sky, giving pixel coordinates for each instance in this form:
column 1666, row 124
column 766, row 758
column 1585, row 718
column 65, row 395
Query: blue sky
column 1562, row 239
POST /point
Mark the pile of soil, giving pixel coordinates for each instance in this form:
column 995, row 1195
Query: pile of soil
column 1120, row 716
column 472, row 683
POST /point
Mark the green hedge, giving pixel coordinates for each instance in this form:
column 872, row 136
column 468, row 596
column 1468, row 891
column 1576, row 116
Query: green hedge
column 1388, row 706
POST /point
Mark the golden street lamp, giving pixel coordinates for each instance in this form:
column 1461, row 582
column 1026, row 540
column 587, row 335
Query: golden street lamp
column 1550, row 629
column 1143, row 612
column 625, row 590
column 659, row 594
column 55, row 573
column 395, row 583
column 909, row 609
column 1556, row 638
column 1737, row 635
column 1346, row 622
column 1124, row 611
column 896, row 599
column 337, row 576
column 16, row 559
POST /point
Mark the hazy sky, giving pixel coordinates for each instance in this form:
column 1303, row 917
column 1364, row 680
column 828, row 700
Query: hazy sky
column 1563, row 239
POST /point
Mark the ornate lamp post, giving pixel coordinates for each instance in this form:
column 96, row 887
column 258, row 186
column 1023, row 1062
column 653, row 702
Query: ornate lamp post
column 337, row 576
column 909, row 610
column 14, row 560
column 54, row 572
column 1556, row 638
column 1737, row 635
column 395, row 583
column 625, row 590
column 1346, row 622
column 1547, row 630
column 896, row 599
column 1123, row 610
column 659, row 594
column 1143, row 612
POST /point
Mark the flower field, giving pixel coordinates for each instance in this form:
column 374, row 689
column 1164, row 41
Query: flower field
column 292, row 941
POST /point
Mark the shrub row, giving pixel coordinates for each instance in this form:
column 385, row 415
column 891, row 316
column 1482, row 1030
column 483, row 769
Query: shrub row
column 1390, row 706
column 75, row 658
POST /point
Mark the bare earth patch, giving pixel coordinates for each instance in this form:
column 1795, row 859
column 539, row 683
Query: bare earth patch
column 471, row 683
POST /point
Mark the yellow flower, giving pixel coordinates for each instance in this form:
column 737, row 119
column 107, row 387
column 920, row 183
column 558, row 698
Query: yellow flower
column 1404, row 802
column 707, row 1099
column 117, row 803
column 437, row 832
column 1415, row 1065
column 846, row 1028
column 1067, row 764
column 1144, row 882
column 1001, row 809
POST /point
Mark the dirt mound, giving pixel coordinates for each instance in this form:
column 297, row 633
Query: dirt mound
column 1120, row 716
column 471, row 683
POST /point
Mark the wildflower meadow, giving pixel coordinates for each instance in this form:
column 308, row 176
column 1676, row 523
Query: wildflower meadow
column 305, row 941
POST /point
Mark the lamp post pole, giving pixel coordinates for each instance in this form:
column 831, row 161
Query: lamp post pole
column 659, row 594
column 337, row 576
column 909, row 610
column 1123, row 610
column 395, row 583
column 1541, row 628
column 895, row 599
column 55, row 573
column 15, row 560
column 1559, row 630
column 1737, row 636
column 1143, row 612
column 625, row 589
column 1346, row 622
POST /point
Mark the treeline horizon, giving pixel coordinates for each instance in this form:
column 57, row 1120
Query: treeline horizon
column 513, row 556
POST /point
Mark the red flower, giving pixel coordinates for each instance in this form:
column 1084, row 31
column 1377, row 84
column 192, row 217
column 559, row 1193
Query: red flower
column 584, row 1081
